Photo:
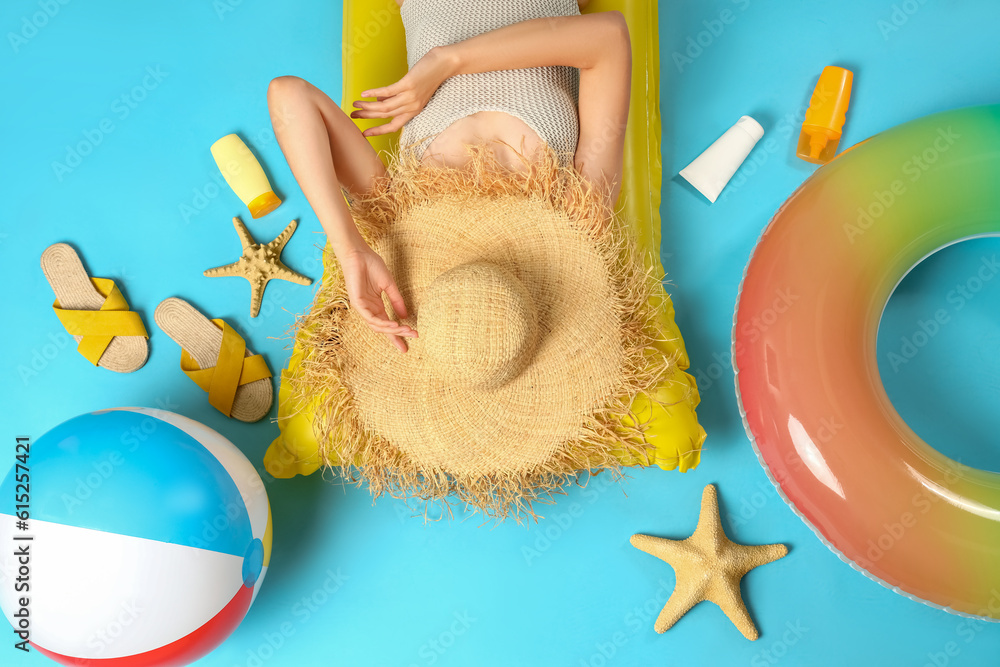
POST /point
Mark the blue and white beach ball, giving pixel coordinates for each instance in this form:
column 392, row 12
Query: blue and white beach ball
column 147, row 538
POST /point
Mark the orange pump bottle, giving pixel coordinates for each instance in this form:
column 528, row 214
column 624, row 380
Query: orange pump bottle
column 824, row 120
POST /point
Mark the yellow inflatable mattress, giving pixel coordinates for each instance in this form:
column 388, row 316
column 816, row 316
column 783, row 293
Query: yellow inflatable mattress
column 374, row 54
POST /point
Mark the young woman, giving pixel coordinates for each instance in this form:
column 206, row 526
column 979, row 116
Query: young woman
column 525, row 73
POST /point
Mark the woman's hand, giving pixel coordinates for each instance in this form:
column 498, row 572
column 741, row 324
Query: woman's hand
column 366, row 277
column 407, row 97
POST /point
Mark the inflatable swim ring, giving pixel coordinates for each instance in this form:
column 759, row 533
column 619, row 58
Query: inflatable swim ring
column 804, row 337
column 374, row 50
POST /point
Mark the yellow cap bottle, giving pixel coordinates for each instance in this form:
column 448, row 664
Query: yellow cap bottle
column 824, row 120
column 244, row 174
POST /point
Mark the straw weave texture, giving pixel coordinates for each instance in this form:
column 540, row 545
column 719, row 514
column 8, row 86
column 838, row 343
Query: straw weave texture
column 535, row 335
column 460, row 310
column 575, row 368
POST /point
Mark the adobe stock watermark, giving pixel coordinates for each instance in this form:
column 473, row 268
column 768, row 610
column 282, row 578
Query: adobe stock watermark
column 611, row 131
column 750, row 505
column 301, row 611
column 222, row 520
column 899, row 16
column 42, row 356
column 696, row 44
column 759, row 323
column 967, row 630
column 910, row 345
column 223, row 7
column 121, row 108
column 895, row 530
column 203, row 195
column 749, row 333
column 366, row 31
column 101, row 471
column 781, row 647
column 559, row 523
column 32, row 23
column 912, row 169
column 102, row 640
column 639, row 618
column 433, row 649
column 786, row 128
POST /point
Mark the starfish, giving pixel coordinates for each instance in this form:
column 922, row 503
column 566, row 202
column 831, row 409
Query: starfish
column 259, row 264
column 708, row 567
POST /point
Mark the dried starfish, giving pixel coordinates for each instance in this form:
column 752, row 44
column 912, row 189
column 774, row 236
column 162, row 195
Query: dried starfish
column 708, row 567
column 260, row 263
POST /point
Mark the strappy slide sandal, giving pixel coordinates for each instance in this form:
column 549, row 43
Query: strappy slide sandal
column 95, row 313
column 216, row 358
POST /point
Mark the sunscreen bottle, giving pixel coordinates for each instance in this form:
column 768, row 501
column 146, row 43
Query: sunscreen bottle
column 244, row 174
column 824, row 120
column 710, row 171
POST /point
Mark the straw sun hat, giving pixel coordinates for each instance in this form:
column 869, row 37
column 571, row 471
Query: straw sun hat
column 535, row 334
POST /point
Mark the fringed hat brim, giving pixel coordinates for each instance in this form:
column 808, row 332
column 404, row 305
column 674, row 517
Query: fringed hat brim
column 356, row 423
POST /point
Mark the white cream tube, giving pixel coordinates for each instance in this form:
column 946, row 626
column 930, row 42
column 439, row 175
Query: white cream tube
column 710, row 171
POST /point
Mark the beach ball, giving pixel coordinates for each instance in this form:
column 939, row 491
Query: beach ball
column 132, row 535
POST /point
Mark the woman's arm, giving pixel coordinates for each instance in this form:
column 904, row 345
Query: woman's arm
column 575, row 41
column 598, row 44
column 325, row 151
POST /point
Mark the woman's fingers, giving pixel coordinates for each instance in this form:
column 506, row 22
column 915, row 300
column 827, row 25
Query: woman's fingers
column 384, row 91
column 379, row 323
column 396, row 123
column 378, row 130
column 391, row 113
column 386, row 103
column 372, row 114
column 381, row 105
column 386, row 326
column 367, row 278
column 398, row 107
column 390, row 329
column 396, row 299
column 398, row 342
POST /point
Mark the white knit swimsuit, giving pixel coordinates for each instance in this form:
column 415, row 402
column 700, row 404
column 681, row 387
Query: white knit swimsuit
column 545, row 98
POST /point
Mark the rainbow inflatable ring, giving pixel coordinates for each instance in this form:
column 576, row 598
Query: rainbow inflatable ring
column 804, row 336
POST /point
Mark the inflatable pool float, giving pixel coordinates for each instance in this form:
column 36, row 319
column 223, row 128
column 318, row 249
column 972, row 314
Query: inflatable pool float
column 374, row 53
column 804, row 338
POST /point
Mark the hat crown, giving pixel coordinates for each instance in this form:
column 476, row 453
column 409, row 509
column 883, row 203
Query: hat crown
column 479, row 325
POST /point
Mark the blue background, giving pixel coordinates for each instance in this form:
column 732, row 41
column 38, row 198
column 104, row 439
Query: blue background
column 355, row 584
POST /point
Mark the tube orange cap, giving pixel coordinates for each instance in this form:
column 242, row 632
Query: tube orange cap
column 263, row 204
column 824, row 120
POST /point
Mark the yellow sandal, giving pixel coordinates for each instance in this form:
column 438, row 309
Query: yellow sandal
column 216, row 358
column 95, row 313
